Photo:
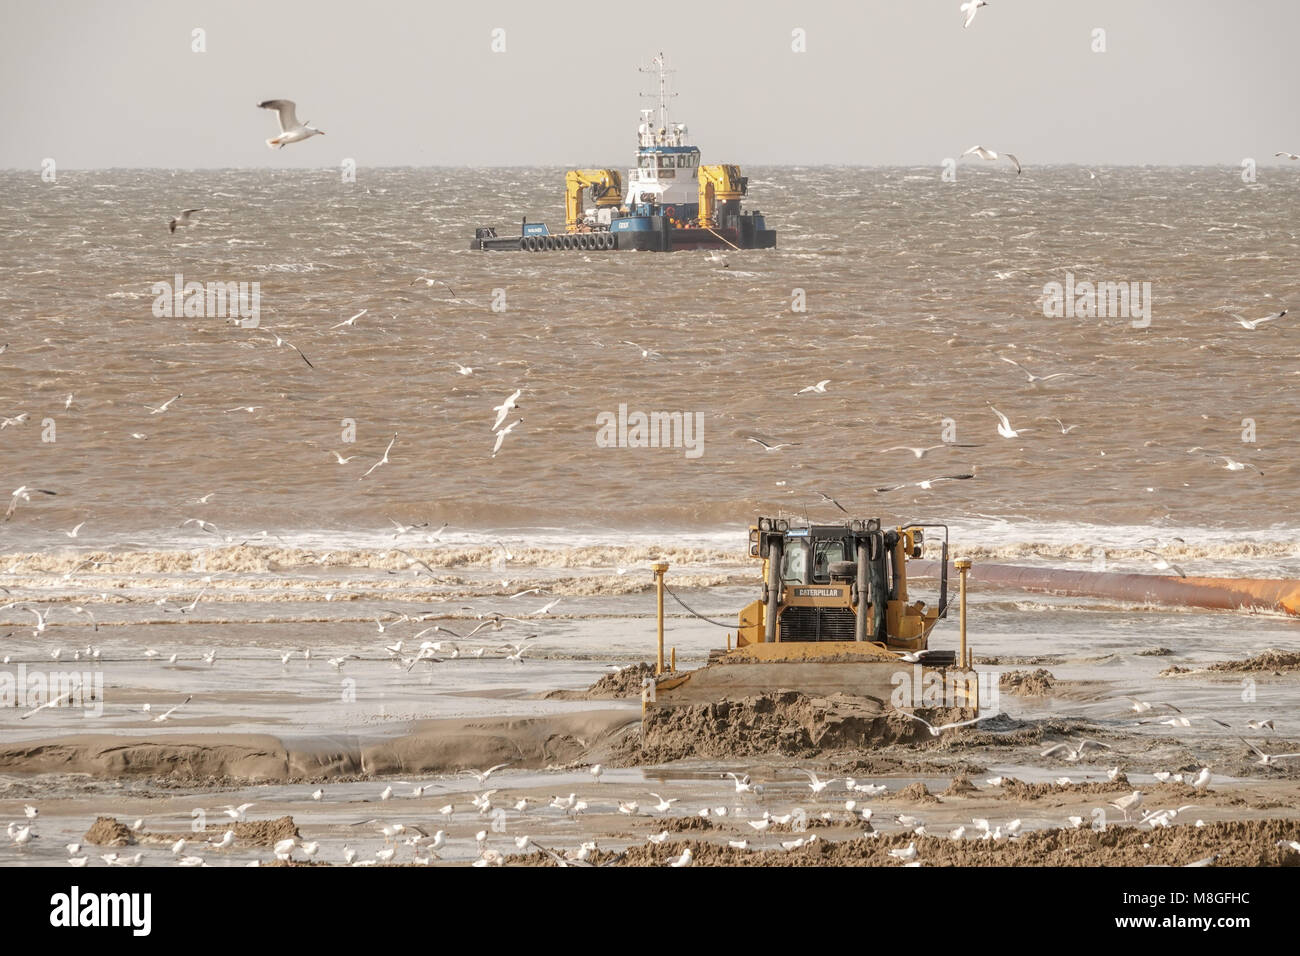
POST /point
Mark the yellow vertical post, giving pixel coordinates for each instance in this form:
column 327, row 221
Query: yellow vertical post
column 673, row 661
column 659, row 570
column 963, row 566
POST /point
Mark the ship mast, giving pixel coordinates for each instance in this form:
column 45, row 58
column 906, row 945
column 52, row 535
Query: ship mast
column 660, row 67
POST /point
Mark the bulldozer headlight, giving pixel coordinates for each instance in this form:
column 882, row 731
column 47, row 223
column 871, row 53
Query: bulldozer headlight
column 764, row 524
column 873, row 525
column 918, row 537
column 857, row 525
column 782, row 525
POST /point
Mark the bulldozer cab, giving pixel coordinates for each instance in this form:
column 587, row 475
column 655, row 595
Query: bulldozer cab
column 841, row 583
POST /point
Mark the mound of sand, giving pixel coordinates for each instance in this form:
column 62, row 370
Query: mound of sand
column 1036, row 683
column 626, row 683
column 786, row 722
column 685, row 824
column 917, row 793
column 107, row 831
column 1269, row 660
column 960, row 786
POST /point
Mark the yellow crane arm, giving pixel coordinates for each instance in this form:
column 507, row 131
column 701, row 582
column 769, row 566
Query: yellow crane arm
column 606, row 187
column 718, row 184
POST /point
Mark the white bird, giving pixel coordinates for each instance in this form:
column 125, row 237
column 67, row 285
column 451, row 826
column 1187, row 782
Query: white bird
column 504, row 408
column 680, row 861
column 957, row 833
column 501, row 435
column 935, row 731
column 1004, row 426
column 1073, row 754
column 970, row 8
column 1287, row 155
column 182, row 220
column 659, row 837
column 922, row 452
column 984, row 153
column 772, row 447
column 1162, row 564
column 907, row 853
column 23, row 494
column 1127, row 803
column 1253, row 324
column 1267, row 760
column 386, row 793
column 73, row 532
column 663, row 805
column 738, row 844
column 814, row 784
column 227, row 840
column 596, row 771
column 742, row 782
column 165, row 405
column 819, row 388
column 162, row 717
column 341, row 459
column 1034, row 379
column 383, row 461
column 291, row 131
column 349, row 322
column 925, row 485
column 482, row 777
column 284, row 849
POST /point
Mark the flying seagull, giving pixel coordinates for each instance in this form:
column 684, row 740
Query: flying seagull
column 384, row 460
column 772, row 447
column 985, row 153
column 182, row 220
column 25, row 494
column 927, row 484
column 922, row 452
column 1033, row 379
column 504, row 408
column 429, row 281
column 1287, row 155
column 819, row 388
column 291, row 131
column 970, row 8
column 279, row 342
column 1004, row 425
column 1253, row 324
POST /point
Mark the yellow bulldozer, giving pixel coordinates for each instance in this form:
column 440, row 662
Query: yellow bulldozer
column 835, row 616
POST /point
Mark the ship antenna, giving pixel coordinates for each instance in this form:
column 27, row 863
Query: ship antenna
column 660, row 68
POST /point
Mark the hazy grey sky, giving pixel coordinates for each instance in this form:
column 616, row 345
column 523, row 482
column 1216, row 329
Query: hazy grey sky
column 98, row 84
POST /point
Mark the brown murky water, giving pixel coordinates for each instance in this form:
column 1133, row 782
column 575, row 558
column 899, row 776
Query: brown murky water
column 914, row 288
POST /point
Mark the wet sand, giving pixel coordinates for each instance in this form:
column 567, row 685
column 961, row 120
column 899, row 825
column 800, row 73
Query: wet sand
column 177, row 783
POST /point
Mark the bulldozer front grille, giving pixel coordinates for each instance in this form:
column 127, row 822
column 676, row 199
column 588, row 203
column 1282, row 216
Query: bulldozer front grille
column 817, row 624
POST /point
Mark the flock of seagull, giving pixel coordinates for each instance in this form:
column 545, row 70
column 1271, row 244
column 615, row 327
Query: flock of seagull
column 493, row 814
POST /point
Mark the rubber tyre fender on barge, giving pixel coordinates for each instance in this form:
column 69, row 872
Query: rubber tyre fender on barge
column 523, row 243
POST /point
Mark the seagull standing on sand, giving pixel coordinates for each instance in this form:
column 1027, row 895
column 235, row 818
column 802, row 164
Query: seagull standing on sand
column 182, row 220
column 291, row 131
